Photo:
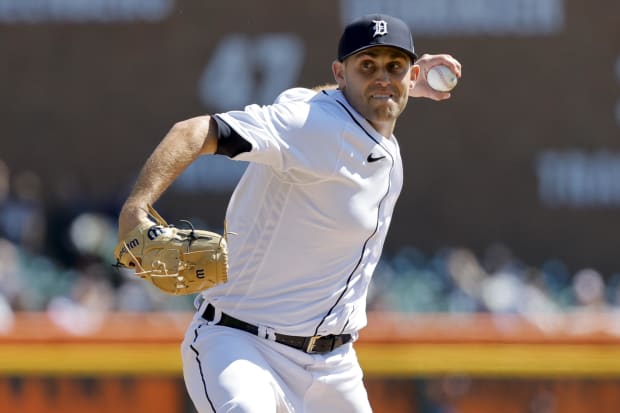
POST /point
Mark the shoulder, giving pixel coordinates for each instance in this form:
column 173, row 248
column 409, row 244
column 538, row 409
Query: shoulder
column 308, row 118
column 332, row 100
column 327, row 100
column 306, row 109
column 297, row 94
column 296, row 113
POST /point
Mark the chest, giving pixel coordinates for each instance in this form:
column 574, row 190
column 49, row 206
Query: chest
column 363, row 189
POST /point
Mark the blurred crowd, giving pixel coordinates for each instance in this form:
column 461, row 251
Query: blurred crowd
column 455, row 280
column 60, row 261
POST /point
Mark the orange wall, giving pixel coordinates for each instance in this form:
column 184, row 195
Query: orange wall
column 416, row 364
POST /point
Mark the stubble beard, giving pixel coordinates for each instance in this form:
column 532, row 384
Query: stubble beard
column 375, row 113
column 388, row 112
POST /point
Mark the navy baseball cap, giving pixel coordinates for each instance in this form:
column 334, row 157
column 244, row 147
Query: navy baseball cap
column 375, row 30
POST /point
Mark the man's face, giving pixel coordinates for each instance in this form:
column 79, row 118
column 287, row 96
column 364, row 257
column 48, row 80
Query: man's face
column 376, row 82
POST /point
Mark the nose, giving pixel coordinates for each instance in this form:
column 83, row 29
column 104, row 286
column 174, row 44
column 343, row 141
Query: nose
column 382, row 77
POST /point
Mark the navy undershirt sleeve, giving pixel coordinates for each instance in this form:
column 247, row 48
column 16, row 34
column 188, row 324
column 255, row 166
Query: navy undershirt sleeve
column 229, row 142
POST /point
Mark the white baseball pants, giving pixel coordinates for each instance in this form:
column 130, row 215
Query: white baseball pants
column 228, row 370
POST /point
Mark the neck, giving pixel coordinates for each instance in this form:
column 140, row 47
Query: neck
column 384, row 128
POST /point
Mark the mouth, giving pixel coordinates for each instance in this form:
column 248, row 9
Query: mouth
column 382, row 96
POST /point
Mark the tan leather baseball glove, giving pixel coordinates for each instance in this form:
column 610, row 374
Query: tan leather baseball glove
column 177, row 261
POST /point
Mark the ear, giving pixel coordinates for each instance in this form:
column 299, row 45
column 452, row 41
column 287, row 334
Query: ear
column 338, row 71
column 414, row 73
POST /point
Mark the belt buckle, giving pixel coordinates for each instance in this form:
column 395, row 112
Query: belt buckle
column 310, row 344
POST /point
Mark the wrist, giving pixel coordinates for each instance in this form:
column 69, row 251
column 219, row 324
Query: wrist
column 131, row 215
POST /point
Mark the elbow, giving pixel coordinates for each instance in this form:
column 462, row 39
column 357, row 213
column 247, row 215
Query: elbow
column 191, row 126
column 197, row 132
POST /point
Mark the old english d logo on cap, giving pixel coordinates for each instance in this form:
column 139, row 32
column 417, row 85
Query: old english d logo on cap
column 375, row 30
column 380, row 27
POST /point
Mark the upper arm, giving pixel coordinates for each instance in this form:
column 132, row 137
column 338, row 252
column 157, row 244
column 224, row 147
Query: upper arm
column 198, row 133
column 216, row 137
column 210, row 141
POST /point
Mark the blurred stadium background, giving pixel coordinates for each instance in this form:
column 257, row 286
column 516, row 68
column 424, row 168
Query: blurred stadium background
column 499, row 289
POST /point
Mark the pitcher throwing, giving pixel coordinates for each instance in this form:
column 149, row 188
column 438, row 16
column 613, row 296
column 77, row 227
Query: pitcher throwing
column 309, row 217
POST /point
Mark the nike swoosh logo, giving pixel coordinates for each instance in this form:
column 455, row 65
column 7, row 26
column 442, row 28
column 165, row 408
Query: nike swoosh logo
column 372, row 158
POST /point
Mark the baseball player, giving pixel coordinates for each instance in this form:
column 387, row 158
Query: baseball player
column 306, row 223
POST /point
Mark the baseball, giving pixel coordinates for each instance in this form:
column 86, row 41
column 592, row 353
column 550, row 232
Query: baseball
column 441, row 78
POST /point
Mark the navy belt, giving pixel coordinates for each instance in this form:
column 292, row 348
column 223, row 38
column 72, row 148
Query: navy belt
column 310, row 345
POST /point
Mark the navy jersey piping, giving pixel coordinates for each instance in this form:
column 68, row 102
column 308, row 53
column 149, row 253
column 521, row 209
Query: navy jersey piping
column 376, row 225
column 202, row 377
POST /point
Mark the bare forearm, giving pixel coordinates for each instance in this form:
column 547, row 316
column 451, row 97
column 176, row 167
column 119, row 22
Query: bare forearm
column 180, row 147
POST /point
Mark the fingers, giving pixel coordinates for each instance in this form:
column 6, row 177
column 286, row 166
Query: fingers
column 421, row 87
column 452, row 63
column 427, row 61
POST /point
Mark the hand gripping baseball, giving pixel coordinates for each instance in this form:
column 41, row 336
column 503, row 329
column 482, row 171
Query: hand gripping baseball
column 423, row 87
column 177, row 261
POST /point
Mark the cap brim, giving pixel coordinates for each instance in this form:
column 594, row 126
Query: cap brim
column 412, row 56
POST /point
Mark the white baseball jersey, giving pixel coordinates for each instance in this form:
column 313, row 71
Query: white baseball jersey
column 309, row 216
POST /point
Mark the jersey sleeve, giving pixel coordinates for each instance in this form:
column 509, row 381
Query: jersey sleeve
column 289, row 134
column 229, row 142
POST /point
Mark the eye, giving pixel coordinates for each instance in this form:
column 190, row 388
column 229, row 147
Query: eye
column 395, row 67
column 367, row 65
